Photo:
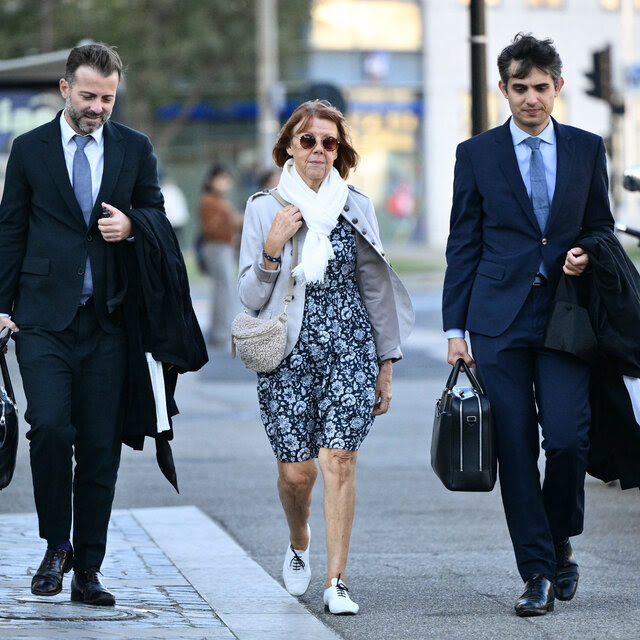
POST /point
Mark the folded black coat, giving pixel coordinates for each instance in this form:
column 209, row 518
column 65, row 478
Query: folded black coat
column 597, row 318
column 154, row 300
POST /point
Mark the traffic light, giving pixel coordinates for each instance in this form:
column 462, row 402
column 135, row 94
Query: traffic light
column 600, row 75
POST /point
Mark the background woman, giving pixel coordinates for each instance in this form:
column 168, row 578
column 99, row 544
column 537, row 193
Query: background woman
column 348, row 316
column 220, row 226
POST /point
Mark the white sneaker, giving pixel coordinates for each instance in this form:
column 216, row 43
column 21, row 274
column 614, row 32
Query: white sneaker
column 337, row 600
column 296, row 570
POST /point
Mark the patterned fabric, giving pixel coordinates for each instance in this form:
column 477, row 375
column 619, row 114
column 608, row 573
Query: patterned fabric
column 322, row 394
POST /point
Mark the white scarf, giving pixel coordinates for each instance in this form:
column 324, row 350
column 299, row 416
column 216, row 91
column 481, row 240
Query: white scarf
column 320, row 212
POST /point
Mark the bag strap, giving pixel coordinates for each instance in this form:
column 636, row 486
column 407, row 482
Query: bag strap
column 294, row 259
column 453, row 376
column 5, row 369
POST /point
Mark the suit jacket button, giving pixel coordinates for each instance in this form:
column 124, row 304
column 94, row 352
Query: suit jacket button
column 89, row 237
column 364, row 232
column 354, row 220
column 544, row 241
column 346, row 207
column 81, row 271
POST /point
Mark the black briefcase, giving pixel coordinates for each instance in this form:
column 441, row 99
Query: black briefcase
column 8, row 420
column 463, row 452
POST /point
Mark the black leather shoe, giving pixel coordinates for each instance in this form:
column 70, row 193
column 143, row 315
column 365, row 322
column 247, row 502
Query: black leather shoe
column 537, row 598
column 86, row 587
column 567, row 573
column 48, row 578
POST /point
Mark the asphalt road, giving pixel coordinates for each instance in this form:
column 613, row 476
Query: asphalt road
column 424, row 563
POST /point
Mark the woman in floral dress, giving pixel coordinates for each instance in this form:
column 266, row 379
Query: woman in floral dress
column 348, row 316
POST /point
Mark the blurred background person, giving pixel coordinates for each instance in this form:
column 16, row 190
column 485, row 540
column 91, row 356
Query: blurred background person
column 175, row 204
column 348, row 315
column 220, row 225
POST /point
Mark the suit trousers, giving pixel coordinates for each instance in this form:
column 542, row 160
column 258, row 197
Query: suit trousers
column 530, row 386
column 74, row 382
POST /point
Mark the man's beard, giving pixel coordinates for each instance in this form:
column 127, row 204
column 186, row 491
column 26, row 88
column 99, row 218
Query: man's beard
column 76, row 117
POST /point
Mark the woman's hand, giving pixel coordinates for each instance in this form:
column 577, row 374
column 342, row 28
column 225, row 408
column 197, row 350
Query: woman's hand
column 287, row 221
column 383, row 389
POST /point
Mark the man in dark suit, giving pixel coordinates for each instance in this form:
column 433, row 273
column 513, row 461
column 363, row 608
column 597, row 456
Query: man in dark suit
column 523, row 192
column 62, row 181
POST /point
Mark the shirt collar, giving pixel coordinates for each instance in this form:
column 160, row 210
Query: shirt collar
column 548, row 134
column 68, row 132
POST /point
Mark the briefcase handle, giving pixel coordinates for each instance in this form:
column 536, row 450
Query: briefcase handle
column 3, row 365
column 453, row 377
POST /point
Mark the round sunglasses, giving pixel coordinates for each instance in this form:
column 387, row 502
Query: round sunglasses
column 308, row 141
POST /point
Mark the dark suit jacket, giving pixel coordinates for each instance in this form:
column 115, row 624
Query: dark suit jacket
column 495, row 245
column 45, row 241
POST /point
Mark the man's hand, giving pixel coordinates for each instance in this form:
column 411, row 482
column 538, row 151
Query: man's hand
column 115, row 228
column 576, row 262
column 7, row 323
column 458, row 349
column 383, row 389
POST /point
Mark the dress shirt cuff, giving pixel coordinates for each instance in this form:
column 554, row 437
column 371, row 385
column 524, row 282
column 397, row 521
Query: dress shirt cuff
column 454, row 333
column 4, row 315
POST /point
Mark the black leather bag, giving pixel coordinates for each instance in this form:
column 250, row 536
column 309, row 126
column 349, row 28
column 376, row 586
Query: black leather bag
column 463, row 451
column 8, row 420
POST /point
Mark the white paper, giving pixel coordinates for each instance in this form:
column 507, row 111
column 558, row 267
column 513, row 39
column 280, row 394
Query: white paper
column 159, row 394
column 633, row 388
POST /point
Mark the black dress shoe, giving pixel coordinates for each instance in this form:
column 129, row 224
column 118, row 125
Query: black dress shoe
column 86, row 587
column 48, row 578
column 537, row 598
column 567, row 573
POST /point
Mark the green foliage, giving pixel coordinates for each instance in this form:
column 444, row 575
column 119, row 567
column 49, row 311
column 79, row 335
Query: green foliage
column 176, row 51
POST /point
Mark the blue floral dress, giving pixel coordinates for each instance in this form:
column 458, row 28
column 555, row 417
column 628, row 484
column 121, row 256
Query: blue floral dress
column 322, row 394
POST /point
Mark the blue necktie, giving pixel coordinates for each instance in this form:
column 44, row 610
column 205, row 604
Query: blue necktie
column 539, row 192
column 84, row 195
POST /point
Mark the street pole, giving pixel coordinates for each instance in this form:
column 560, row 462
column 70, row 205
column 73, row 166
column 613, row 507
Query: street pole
column 479, row 118
column 629, row 139
column 267, row 38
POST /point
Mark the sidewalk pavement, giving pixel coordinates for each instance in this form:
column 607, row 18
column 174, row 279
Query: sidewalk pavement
column 168, row 568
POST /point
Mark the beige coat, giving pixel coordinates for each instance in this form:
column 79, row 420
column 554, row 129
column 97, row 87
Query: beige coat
column 385, row 297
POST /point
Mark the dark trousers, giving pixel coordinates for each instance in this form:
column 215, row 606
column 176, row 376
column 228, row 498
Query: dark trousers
column 528, row 386
column 73, row 381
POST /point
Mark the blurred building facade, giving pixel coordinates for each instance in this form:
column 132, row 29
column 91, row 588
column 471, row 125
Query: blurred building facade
column 401, row 71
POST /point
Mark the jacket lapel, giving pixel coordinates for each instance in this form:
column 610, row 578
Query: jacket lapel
column 509, row 166
column 564, row 161
column 53, row 158
column 113, row 157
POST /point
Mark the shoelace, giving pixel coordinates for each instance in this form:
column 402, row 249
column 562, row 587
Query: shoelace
column 297, row 563
column 341, row 588
column 53, row 557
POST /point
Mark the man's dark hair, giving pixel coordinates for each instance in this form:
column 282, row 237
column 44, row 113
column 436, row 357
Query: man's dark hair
column 529, row 52
column 100, row 57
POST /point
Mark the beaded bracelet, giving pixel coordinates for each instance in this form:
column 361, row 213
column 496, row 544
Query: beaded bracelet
column 270, row 258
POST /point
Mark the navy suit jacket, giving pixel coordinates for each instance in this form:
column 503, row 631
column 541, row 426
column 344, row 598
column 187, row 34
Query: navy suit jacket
column 495, row 245
column 44, row 240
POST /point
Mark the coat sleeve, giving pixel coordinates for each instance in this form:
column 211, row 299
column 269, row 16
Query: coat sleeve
column 464, row 246
column 14, row 225
column 146, row 194
column 598, row 215
column 377, row 293
column 255, row 283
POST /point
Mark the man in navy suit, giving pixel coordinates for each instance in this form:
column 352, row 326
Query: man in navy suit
column 523, row 193
column 56, row 242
